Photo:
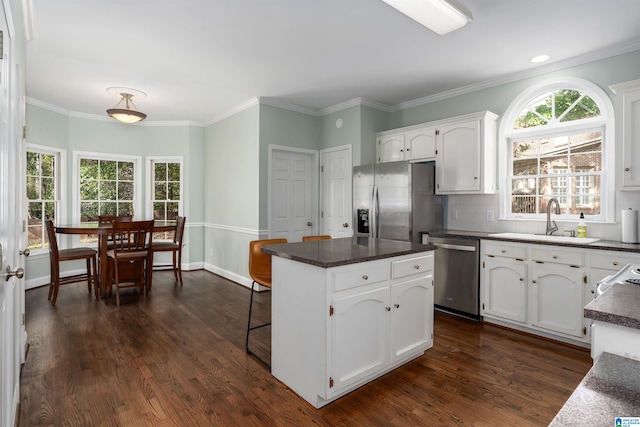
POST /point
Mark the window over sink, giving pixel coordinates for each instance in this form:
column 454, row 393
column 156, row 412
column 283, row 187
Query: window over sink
column 557, row 139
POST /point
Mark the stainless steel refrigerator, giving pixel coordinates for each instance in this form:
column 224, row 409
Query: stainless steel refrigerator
column 395, row 200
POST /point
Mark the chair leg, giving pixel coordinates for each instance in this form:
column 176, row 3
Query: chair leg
column 89, row 275
column 96, row 286
column 180, row 266
column 249, row 329
column 175, row 266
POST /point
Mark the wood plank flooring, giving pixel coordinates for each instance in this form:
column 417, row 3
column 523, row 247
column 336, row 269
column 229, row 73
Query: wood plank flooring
column 179, row 360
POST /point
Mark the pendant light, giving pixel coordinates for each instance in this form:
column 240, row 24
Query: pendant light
column 127, row 114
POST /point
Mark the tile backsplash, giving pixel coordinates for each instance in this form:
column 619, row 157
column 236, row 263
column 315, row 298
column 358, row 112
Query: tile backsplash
column 482, row 213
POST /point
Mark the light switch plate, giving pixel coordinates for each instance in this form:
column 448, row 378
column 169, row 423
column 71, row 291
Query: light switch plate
column 490, row 216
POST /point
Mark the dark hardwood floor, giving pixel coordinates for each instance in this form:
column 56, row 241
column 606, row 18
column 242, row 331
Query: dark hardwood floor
column 179, row 360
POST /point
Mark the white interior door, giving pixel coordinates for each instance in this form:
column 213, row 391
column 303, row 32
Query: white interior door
column 293, row 193
column 336, row 176
column 10, row 235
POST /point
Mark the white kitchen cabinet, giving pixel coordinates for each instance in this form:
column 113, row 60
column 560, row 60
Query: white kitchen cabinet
column 391, row 147
column 628, row 127
column 556, row 301
column 335, row 329
column 466, row 155
column 535, row 288
column 412, row 143
column 505, row 289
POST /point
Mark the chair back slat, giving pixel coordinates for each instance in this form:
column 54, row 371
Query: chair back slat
column 132, row 235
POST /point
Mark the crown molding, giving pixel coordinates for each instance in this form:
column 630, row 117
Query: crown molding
column 545, row 69
column 234, row 110
column 273, row 102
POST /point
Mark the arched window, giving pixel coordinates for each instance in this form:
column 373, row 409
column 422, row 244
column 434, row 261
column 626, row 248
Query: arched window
column 558, row 143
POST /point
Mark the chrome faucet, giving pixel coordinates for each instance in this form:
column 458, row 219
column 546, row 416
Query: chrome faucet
column 551, row 225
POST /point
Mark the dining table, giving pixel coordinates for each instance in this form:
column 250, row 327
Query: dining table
column 103, row 230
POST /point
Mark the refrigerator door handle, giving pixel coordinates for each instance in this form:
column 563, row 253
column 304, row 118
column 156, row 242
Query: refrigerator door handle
column 373, row 232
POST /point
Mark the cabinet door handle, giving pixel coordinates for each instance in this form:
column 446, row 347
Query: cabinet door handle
column 396, row 305
column 533, row 281
column 522, row 279
column 555, row 257
column 615, row 262
column 417, row 267
column 388, row 308
column 365, row 277
column 627, row 169
column 504, row 251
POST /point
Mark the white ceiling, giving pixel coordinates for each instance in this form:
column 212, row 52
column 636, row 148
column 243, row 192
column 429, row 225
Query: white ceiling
column 199, row 59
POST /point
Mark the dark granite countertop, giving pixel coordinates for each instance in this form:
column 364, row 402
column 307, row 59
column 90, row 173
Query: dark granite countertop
column 608, row 245
column 344, row 251
column 618, row 305
column 610, row 389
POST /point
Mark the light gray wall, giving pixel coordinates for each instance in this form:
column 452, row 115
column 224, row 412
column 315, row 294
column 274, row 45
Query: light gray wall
column 48, row 128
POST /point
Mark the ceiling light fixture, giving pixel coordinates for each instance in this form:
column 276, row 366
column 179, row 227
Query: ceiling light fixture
column 439, row 16
column 126, row 114
column 539, row 58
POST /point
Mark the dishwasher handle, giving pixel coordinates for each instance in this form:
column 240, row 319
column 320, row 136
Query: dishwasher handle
column 455, row 247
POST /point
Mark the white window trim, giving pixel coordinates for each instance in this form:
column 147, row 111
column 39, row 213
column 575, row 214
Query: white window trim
column 137, row 188
column 150, row 180
column 61, row 183
column 606, row 120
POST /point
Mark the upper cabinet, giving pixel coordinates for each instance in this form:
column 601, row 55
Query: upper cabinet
column 417, row 143
column 464, row 149
column 628, row 125
column 466, row 155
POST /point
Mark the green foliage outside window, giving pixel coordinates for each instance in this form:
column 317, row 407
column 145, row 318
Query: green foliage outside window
column 41, row 196
column 561, row 105
column 106, row 188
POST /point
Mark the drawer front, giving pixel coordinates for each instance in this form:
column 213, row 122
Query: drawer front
column 503, row 250
column 614, row 260
column 348, row 279
column 557, row 256
column 410, row 266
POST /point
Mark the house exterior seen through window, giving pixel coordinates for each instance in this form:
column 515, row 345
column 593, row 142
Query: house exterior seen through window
column 556, row 147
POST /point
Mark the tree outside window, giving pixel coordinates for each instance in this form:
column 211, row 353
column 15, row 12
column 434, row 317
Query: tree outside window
column 167, row 197
column 42, row 191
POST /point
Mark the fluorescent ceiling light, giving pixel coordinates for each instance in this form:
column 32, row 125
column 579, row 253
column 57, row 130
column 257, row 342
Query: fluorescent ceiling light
column 439, row 16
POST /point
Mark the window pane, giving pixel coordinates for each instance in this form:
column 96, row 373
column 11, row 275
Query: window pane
column 125, row 191
column 48, row 189
column 107, row 191
column 172, row 210
column 33, row 163
column 174, row 172
column 33, row 187
column 108, row 208
column 161, row 191
column 89, row 211
column 159, row 211
column 108, row 169
column 174, row 191
column 89, row 190
column 48, row 165
column 88, row 169
column 125, row 208
column 160, row 171
column 35, row 212
column 125, row 171
column 50, row 210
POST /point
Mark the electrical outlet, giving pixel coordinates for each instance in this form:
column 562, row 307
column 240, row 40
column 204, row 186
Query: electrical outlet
column 490, row 217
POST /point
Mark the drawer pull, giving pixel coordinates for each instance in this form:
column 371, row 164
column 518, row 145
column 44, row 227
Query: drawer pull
column 417, row 267
column 365, row 277
column 522, row 279
column 615, row 262
column 533, row 281
column 555, row 257
column 504, row 251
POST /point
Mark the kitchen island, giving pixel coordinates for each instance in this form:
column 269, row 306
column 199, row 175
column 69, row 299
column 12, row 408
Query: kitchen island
column 346, row 311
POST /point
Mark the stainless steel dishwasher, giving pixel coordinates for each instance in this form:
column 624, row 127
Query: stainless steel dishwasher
column 457, row 279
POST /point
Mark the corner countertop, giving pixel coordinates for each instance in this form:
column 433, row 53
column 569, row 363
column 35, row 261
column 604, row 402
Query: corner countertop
column 344, row 251
column 608, row 245
column 610, row 389
column 617, row 305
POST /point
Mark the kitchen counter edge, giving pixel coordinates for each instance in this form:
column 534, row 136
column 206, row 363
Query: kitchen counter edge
column 344, row 251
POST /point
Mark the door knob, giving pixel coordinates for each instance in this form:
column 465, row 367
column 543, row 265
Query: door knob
column 345, row 225
column 26, row 252
column 309, row 223
column 19, row 273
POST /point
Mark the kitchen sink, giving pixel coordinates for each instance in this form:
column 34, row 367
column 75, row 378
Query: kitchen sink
column 546, row 238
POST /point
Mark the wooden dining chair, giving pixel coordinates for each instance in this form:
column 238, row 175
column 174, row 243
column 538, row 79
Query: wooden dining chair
column 320, row 237
column 175, row 247
column 58, row 256
column 260, row 272
column 130, row 260
column 109, row 219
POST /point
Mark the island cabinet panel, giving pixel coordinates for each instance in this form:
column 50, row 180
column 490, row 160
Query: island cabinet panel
column 329, row 337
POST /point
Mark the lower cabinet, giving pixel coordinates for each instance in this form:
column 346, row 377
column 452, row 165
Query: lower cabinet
column 335, row 329
column 539, row 289
column 556, row 302
column 505, row 290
